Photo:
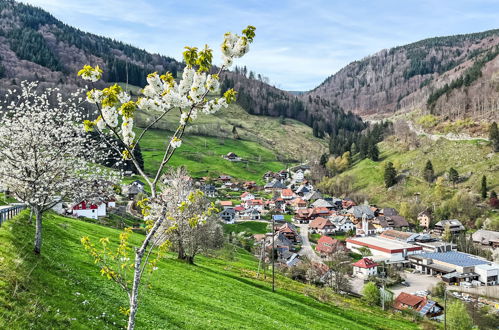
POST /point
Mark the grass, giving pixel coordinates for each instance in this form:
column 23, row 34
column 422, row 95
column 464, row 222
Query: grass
column 6, row 200
column 473, row 158
column 62, row 288
column 202, row 156
column 253, row 227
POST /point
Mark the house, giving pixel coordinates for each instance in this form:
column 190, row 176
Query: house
column 226, row 204
column 486, row 237
column 228, row 215
column 133, row 189
column 312, row 196
column 249, row 214
column 234, row 186
column 327, row 245
column 306, row 215
column 359, row 211
column 388, row 211
column 347, row 203
column 422, row 305
column 224, row 178
column 246, row 196
column 269, row 176
column 232, row 157
column 283, row 174
column 365, row 267
column 323, row 203
column 342, row 223
column 209, row 190
column 89, row 209
column 382, row 223
column 249, row 185
column 289, row 230
column 321, row 226
column 255, row 203
column 287, row 194
column 424, row 219
column 302, row 190
column 455, row 227
column 299, row 175
column 274, row 185
column 281, row 243
column 298, row 203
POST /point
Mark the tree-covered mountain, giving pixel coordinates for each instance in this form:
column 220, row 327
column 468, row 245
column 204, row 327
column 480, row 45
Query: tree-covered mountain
column 36, row 46
column 454, row 76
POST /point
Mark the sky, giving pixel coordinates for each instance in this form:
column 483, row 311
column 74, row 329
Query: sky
column 298, row 43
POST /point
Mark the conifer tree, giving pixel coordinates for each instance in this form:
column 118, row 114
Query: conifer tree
column 494, row 136
column 453, row 176
column 390, row 175
column 483, row 188
column 373, row 151
column 428, row 172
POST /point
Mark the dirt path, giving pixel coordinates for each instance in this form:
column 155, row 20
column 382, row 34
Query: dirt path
column 449, row 136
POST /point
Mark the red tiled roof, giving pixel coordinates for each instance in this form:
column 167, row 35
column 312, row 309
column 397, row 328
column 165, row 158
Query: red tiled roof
column 365, row 263
column 255, row 202
column 287, row 192
column 244, row 194
column 320, row 223
column 239, row 208
column 226, row 203
column 406, row 299
column 327, row 244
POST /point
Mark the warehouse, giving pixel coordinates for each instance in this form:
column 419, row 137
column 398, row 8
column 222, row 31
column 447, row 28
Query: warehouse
column 384, row 249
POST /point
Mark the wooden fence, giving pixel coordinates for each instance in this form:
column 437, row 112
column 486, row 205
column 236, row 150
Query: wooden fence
column 9, row 211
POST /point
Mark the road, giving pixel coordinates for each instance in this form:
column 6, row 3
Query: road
column 449, row 136
column 306, row 248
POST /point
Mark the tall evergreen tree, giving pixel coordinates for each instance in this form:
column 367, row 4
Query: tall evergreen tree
column 494, row 136
column 390, row 175
column 483, row 188
column 453, row 176
column 429, row 173
column 373, row 151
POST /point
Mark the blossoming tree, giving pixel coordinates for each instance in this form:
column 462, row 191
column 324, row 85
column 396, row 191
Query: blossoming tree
column 44, row 153
column 162, row 94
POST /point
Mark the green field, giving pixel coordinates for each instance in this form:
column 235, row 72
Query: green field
column 202, row 156
column 253, row 227
column 62, row 288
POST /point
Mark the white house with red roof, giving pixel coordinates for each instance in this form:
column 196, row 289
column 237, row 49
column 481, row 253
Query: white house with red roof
column 89, row 209
column 246, row 196
column 226, row 204
column 287, row 194
column 365, row 267
column 255, row 203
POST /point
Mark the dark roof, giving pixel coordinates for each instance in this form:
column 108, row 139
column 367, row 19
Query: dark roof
column 359, row 210
column 388, row 211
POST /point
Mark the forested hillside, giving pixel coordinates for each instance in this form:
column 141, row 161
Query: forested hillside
column 454, row 77
column 36, row 46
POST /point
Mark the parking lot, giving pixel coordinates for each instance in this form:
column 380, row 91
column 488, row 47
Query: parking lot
column 417, row 282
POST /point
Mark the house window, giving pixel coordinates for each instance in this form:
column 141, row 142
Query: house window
column 93, row 211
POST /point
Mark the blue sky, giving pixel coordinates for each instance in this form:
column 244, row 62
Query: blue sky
column 298, row 43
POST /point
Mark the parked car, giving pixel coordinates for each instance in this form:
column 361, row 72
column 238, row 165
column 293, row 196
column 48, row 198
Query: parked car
column 405, row 283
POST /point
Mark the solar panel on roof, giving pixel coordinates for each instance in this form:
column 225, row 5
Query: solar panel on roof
column 427, row 307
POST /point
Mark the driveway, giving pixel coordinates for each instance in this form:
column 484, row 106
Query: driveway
column 417, row 282
column 306, row 248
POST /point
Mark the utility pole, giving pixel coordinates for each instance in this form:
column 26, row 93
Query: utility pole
column 273, row 255
column 445, row 308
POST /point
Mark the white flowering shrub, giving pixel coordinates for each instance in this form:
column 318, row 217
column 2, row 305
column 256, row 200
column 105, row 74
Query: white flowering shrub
column 162, row 94
column 45, row 156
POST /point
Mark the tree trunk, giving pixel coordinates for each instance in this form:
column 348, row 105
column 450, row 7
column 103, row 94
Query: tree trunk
column 181, row 252
column 190, row 259
column 38, row 233
column 134, row 297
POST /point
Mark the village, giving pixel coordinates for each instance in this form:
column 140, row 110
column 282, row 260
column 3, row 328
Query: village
column 309, row 229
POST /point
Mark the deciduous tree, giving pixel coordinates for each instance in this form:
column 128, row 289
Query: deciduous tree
column 162, row 94
column 458, row 317
column 371, row 295
column 45, row 156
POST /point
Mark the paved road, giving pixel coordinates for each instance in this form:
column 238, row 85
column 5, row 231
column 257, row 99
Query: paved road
column 306, row 248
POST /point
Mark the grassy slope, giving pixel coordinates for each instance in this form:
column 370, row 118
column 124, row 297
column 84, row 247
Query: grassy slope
column 51, row 291
column 253, row 227
column 264, row 141
column 203, row 156
column 464, row 156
